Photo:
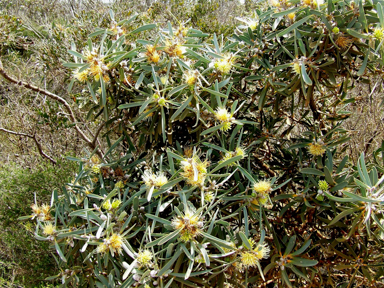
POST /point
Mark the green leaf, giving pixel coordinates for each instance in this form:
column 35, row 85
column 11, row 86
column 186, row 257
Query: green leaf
column 343, row 214
column 339, row 186
column 304, row 74
column 143, row 115
column 312, row 171
column 139, row 81
column 144, row 28
column 361, row 198
column 298, row 272
column 170, row 262
column 291, row 244
column 212, row 129
column 76, row 54
column 130, row 105
column 247, row 175
column 285, row 12
column 294, row 26
column 216, row 93
column 245, row 241
column 357, row 34
column 363, row 66
column 60, row 252
column 338, row 199
column 226, row 163
column 302, row 262
column 222, row 243
column 177, row 89
column 182, row 107
column 263, row 98
column 302, row 248
column 168, row 237
column 158, row 219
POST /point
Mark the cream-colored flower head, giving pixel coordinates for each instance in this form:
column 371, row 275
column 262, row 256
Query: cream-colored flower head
column 190, row 225
column 222, row 114
column 194, row 171
column 190, row 77
column 261, row 193
column 156, row 180
column 262, row 251
column 49, row 229
column 81, row 76
column 224, row 117
column 208, row 196
column 250, row 258
column 161, row 179
column 102, row 248
column 262, row 187
column 144, row 257
column 114, row 244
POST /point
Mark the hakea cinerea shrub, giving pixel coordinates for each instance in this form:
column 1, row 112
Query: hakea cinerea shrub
column 229, row 153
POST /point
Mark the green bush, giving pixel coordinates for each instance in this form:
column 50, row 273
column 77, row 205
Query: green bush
column 23, row 259
column 225, row 164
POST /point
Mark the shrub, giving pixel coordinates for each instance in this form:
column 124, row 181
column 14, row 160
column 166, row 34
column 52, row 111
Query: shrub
column 228, row 167
column 23, row 259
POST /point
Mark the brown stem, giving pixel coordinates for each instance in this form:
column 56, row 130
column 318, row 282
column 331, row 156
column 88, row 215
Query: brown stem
column 264, row 167
column 54, row 97
column 39, row 147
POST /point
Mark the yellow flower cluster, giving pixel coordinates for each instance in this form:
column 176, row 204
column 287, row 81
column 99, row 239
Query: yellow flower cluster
column 238, row 152
column 296, row 67
column 96, row 169
column 49, row 229
column 224, row 65
column 174, row 49
column 119, row 185
column 194, row 170
column 82, row 76
column 261, row 191
column 208, row 196
column 152, row 54
column 181, row 32
column 224, row 117
column 250, row 258
column 323, row 185
column 114, row 244
column 144, row 258
column 316, row 149
column 157, row 180
column 97, row 67
column 41, row 213
column 190, row 77
column 116, row 29
column 190, row 225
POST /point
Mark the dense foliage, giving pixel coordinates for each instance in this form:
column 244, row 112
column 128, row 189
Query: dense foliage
column 228, row 169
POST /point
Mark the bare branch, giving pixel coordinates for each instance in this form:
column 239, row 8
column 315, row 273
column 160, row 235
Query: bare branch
column 97, row 133
column 39, row 147
column 53, row 96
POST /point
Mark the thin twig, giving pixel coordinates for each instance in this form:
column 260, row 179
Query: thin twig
column 54, row 97
column 39, row 147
